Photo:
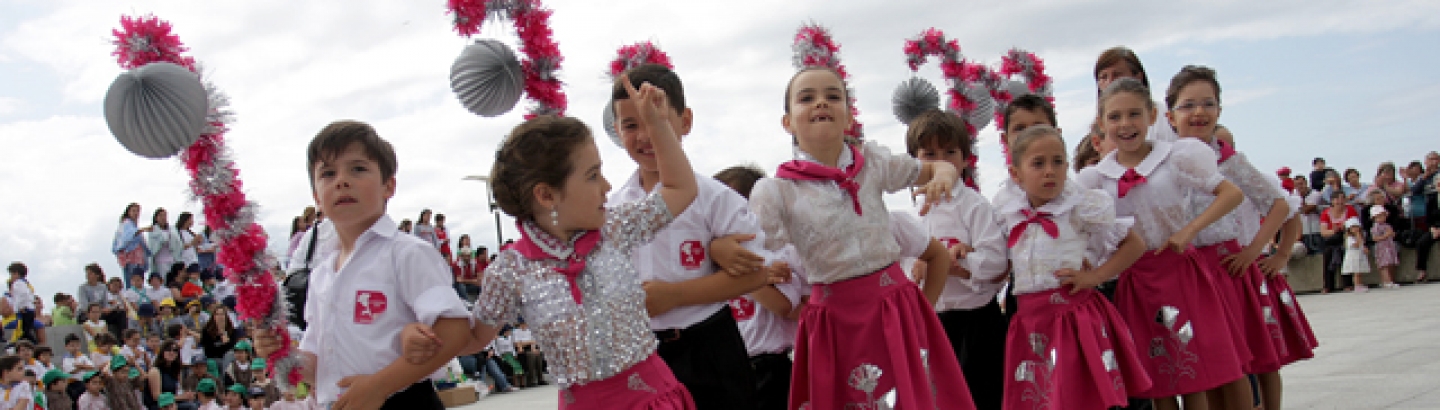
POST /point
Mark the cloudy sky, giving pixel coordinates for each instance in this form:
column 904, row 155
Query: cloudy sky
column 1347, row 80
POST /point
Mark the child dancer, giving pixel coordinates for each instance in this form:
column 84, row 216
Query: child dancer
column 1356, row 255
column 1194, row 103
column 1166, row 297
column 572, row 274
column 868, row 337
column 1060, row 347
column 683, row 275
column 966, row 224
column 1386, row 255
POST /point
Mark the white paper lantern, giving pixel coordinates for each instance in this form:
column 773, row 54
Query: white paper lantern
column 157, row 110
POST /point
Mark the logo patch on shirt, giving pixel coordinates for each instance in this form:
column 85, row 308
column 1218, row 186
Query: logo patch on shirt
column 742, row 309
column 692, row 254
column 369, row 304
column 948, row 242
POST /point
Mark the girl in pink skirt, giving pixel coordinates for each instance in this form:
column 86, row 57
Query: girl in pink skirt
column 868, row 338
column 1386, row 254
column 1067, row 347
column 1193, row 99
column 1172, row 305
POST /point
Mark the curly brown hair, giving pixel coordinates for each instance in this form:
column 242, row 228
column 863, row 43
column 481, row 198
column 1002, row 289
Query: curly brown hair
column 536, row 152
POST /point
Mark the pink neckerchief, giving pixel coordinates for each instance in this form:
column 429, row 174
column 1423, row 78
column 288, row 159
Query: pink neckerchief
column 1226, row 151
column 1033, row 217
column 1130, row 180
column 812, row 171
column 584, row 242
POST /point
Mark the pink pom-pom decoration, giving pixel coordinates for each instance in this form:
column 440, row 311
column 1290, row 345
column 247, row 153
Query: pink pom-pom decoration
column 634, row 55
column 1033, row 80
column 147, row 39
column 813, row 47
column 469, row 15
column 970, row 87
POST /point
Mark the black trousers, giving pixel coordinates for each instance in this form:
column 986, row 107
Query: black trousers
column 1334, row 256
column 772, row 380
column 420, row 395
column 1422, row 252
column 978, row 338
column 25, row 325
column 709, row 358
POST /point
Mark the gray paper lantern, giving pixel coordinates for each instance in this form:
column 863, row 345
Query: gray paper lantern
column 913, row 97
column 487, row 78
column 608, row 121
column 156, row 110
column 985, row 105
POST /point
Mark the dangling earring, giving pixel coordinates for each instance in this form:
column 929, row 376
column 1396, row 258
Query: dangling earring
column 554, row 217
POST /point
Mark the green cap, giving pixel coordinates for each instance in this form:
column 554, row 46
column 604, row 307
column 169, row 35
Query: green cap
column 51, row 376
column 206, row 385
column 88, row 375
column 243, row 345
column 116, row 362
column 241, row 390
column 257, row 364
column 166, row 399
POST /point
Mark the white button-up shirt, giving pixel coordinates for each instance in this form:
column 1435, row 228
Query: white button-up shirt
column 968, row 218
column 681, row 251
column 764, row 331
column 356, row 313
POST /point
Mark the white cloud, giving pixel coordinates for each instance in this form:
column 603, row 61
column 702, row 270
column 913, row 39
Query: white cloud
column 291, row 67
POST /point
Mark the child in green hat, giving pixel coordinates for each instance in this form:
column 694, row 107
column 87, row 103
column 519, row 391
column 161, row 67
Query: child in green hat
column 238, row 371
column 166, row 401
column 56, row 381
column 94, row 397
column 121, row 388
column 235, row 396
column 270, row 392
column 206, row 389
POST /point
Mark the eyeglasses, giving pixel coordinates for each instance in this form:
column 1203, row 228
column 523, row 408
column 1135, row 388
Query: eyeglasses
column 1191, row 106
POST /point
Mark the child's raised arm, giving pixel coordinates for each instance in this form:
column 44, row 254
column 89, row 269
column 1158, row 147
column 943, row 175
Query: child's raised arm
column 677, row 179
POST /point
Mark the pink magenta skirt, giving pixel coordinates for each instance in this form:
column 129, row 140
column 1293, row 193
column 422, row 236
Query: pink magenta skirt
column 647, row 385
column 1298, row 340
column 1070, row 352
column 874, row 342
column 1175, row 315
column 1246, row 308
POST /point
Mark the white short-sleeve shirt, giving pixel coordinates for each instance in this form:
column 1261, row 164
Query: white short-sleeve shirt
column 968, row 218
column 681, row 251
column 357, row 312
column 764, row 331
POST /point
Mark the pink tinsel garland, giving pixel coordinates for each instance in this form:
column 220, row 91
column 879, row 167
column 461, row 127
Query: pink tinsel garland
column 932, row 42
column 542, row 54
column 147, row 39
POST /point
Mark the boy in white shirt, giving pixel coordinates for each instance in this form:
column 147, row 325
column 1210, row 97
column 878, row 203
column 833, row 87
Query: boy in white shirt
column 368, row 283
column 685, row 294
column 22, row 299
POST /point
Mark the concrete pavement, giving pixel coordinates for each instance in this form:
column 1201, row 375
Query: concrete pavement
column 1377, row 351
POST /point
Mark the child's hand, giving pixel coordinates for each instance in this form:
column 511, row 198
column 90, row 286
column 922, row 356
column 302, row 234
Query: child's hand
column 659, row 297
column 1079, row 280
column 777, row 273
column 939, row 187
column 650, row 101
column 419, row 343
column 1177, row 242
column 732, row 257
column 266, row 342
column 960, row 250
column 361, row 394
column 1237, row 263
column 1272, row 264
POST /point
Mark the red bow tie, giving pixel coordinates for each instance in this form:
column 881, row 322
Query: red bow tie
column 1032, row 217
column 1130, row 180
column 810, row 171
column 573, row 265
